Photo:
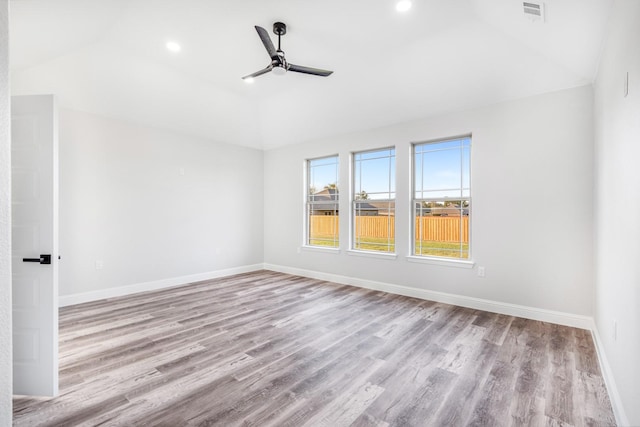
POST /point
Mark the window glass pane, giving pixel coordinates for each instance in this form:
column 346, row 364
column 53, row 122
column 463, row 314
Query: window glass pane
column 375, row 175
column 374, row 200
column 417, row 173
column 392, row 178
column 323, row 202
column 441, row 169
column 374, row 226
column 322, row 174
column 376, row 154
column 442, row 198
column 466, row 167
column 323, row 229
column 441, row 194
column 442, row 229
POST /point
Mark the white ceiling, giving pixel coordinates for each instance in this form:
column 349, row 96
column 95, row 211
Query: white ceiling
column 109, row 57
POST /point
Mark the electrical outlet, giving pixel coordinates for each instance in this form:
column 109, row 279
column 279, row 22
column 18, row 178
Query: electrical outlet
column 99, row 264
column 480, row 271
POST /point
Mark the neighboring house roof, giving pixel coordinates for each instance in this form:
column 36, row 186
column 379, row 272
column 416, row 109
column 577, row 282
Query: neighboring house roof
column 329, row 201
column 450, row 210
column 331, row 193
column 368, row 207
column 384, row 208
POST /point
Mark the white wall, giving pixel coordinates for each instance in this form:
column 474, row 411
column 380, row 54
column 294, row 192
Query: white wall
column 532, row 185
column 617, row 207
column 124, row 201
column 6, row 351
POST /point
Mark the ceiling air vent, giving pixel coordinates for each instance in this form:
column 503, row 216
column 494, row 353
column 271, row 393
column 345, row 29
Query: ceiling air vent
column 534, row 11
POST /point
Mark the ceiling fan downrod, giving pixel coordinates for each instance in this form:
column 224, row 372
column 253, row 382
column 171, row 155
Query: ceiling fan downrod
column 279, row 29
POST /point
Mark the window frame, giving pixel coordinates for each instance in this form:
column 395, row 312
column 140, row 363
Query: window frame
column 308, row 203
column 392, row 189
column 441, row 259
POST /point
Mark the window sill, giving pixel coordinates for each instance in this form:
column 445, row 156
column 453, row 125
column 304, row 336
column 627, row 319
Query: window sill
column 321, row 249
column 446, row 262
column 379, row 255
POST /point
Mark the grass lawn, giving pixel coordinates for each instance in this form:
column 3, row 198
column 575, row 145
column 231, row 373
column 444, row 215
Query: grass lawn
column 325, row 241
column 446, row 249
column 424, row 247
column 376, row 244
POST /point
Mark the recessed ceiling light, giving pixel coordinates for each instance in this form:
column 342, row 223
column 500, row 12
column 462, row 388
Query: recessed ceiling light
column 248, row 80
column 173, row 46
column 403, row 5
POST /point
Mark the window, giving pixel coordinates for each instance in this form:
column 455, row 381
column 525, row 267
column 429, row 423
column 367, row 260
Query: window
column 442, row 198
column 374, row 193
column 322, row 202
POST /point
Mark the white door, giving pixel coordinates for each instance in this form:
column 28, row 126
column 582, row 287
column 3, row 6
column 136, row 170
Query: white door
column 34, row 165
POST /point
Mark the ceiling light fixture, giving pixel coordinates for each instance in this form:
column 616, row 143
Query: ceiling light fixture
column 279, row 70
column 173, row 47
column 403, row 5
column 249, row 80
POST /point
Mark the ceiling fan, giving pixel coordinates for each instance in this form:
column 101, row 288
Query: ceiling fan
column 279, row 64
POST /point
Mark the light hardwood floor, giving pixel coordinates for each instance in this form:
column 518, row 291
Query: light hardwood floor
column 270, row 349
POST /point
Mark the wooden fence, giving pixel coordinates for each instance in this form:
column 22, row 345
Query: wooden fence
column 434, row 228
column 323, row 225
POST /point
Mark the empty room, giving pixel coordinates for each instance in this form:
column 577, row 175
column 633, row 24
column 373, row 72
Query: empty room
column 285, row 213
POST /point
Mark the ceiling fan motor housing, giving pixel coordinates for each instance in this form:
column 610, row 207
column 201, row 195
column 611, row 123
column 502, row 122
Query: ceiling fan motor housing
column 279, row 28
column 279, row 70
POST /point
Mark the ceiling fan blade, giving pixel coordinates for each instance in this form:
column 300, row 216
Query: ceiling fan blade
column 259, row 73
column 266, row 41
column 309, row 70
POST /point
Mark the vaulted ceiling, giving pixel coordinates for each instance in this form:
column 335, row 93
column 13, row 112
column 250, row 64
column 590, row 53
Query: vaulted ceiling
column 109, row 57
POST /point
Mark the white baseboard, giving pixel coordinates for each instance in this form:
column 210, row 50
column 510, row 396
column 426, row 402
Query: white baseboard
column 65, row 300
column 557, row 317
column 607, row 374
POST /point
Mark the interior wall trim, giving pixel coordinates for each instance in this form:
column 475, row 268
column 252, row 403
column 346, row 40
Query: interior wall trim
column 610, row 382
column 557, row 317
column 79, row 298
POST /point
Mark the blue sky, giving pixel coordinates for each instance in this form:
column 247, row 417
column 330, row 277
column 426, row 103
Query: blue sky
column 323, row 171
column 439, row 170
column 375, row 173
column 442, row 168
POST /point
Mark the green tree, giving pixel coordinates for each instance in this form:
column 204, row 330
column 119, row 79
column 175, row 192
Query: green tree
column 362, row 195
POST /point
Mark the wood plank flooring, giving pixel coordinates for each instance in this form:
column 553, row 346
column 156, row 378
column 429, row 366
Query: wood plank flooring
column 270, row 349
